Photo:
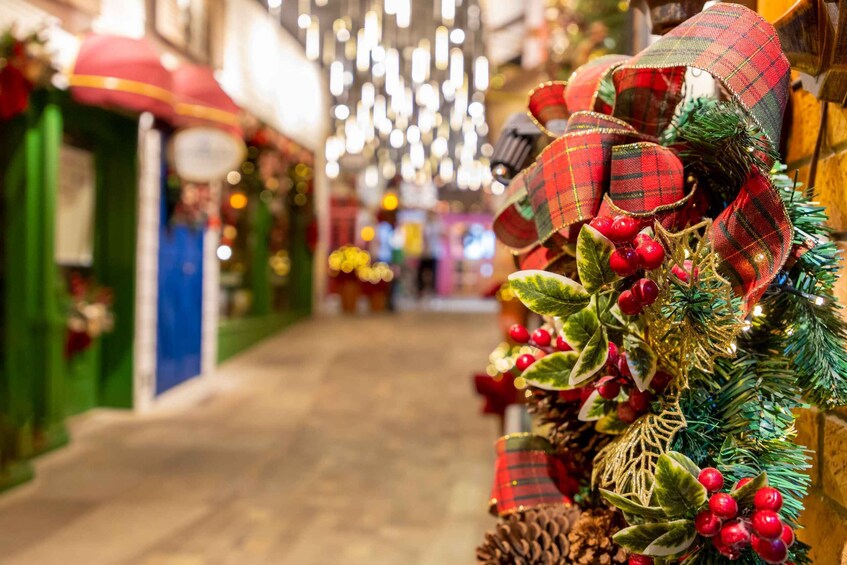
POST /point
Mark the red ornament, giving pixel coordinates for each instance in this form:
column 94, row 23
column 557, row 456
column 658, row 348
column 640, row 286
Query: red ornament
column 636, row 559
column 723, row 505
column 735, row 533
column 524, row 361
column 771, row 551
column 787, row 535
column 562, row 345
column 624, row 261
column 629, row 304
column 646, row 291
column 660, row 381
column 707, row 524
column 767, row 498
column 741, row 483
column 626, row 413
column 609, row 388
column 642, row 238
column 652, row 254
column 710, row 478
column 624, row 229
column 614, row 356
column 541, row 337
column 603, row 224
column 640, row 401
column 519, row 333
column 766, row 524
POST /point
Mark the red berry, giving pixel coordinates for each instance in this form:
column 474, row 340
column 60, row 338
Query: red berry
column 626, row 413
column 711, row 478
column 771, row 551
column 642, row 238
column 624, row 229
column 723, row 505
column 680, row 273
column 519, row 333
column 640, row 401
column 603, row 224
column 623, row 367
column 660, row 381
column 766, row 524
column 609, row 388
column 584, row 393
column 646, row 291
column 636, row 559
column 524, row 361
column 614, row 356
column 767, row 498
column 787, row 535
column 741, row 483
column 652, row 254
column 570, row 395
column 735, row 533
column 629, row 304
column 562, row 345
column 707, row 524
column 624, row 261
column 724, row 549
column 541, row 337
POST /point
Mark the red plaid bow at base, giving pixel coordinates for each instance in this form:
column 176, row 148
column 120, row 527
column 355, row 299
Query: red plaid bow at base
column 529, row 474
column 610, row 161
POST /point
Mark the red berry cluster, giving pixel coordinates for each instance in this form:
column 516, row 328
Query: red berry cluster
column 540, row 339
column 634, row 251
column 733, row 529
column 618, row 377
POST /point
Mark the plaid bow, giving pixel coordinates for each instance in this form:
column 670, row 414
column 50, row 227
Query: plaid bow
column 609, row 159
column 528, row 474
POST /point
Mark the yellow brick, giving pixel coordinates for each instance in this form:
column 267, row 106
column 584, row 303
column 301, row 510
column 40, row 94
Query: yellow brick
column 824, row 529
column 808, row 427
column 834, row 458
column 805, row 123
column 836, row 125
column 830, row 189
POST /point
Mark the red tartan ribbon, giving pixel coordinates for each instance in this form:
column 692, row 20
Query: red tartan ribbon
column 609, row 159
column 528, row 474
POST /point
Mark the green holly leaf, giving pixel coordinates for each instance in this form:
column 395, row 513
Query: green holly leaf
column 593, row 408
column 687, row 463
column 593, row 250
column 578, row 328
column 677, row 491
column 610, row 424
column 638, row 538
column 744, row 495
column 552, row 372
column 641, row 360
column 677, row 539
column 549, row 294
column 653, row 513
column 592, row 358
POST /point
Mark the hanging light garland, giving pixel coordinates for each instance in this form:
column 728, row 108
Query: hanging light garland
column 407, row 99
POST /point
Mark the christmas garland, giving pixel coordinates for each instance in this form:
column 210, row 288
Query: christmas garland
column 696, row 314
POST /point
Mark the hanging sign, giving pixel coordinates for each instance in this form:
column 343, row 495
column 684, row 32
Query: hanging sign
column 204, row 154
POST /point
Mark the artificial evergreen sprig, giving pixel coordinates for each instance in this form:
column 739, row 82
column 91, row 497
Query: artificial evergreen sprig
column 720, row 145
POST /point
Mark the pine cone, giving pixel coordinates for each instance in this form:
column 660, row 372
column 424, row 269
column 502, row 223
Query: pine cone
column 565, row 431
column 533, row 537
column 591, row 538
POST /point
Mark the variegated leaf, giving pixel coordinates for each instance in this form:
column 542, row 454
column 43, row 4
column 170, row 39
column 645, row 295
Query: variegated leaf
column 549, row 294
column 552, row 372
column 593, row 250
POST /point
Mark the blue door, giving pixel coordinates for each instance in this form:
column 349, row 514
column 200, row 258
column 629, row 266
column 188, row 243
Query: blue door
column 180, row 305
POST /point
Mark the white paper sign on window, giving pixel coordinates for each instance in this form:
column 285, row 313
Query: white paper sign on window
column 75, row 204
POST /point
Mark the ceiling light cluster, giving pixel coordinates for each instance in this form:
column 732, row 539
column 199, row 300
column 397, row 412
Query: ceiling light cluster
column 407, row 84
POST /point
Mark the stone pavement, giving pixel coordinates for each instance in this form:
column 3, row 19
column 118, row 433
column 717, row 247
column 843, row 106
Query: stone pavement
column 339, row 441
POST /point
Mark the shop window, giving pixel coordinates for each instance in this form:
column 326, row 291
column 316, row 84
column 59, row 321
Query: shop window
column 75, row 205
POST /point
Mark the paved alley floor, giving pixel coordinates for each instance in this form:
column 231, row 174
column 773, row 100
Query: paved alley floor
column 340, row 441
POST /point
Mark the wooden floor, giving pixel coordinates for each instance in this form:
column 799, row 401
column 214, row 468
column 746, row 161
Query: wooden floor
column 340, row 441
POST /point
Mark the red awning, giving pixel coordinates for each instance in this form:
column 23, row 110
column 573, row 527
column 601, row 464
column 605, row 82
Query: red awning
column 201, row 101
column 121, row 72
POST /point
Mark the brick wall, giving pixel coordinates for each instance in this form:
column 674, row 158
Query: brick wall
column 825, row 518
